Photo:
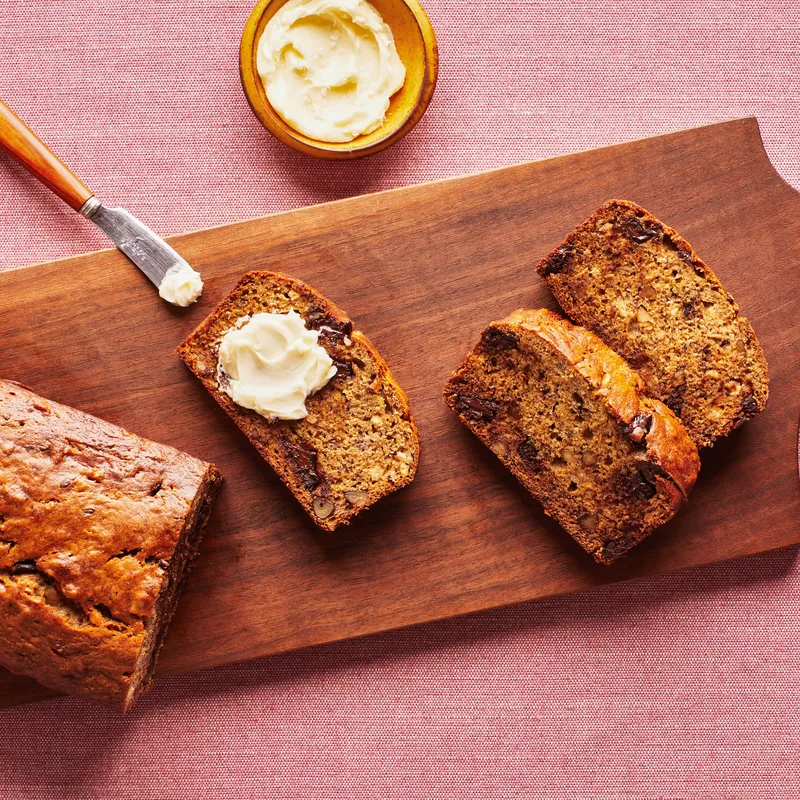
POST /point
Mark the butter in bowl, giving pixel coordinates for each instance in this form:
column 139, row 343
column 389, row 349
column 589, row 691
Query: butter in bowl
column 338, row 79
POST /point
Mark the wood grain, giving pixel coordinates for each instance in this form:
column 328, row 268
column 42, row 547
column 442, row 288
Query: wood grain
column 19, row 141
column 422, row 270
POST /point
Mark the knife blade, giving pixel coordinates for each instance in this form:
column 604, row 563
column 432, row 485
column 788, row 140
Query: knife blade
column 146, row 249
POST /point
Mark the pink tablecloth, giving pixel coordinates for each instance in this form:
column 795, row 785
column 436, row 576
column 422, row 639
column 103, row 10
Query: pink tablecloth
column 681, row 687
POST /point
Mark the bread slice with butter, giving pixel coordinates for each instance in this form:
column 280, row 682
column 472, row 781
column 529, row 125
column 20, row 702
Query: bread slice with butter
column 358, row 442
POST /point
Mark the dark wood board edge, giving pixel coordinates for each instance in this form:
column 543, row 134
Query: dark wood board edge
column 744, row 126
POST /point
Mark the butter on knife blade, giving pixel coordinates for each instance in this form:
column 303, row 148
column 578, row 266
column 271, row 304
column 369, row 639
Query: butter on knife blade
column 177, row 282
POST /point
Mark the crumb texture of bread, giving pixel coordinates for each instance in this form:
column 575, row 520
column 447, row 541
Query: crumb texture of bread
column 641, row 287
column 97, row 529
column 570, row 419
column 358, row 442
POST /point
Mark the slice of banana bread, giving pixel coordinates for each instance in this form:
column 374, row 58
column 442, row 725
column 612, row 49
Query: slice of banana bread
column 639, row 285
column 569, row 418
column 358, row 442
column 97, row 531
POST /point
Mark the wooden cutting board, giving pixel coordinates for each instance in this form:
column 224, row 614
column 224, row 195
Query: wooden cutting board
column 421, row 270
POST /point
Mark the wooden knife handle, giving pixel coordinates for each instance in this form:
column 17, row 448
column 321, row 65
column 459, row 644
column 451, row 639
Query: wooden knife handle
column 19, row 141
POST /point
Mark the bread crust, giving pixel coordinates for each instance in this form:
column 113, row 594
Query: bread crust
column 96, row 527
column 636, row 236
column 647, row 423
column 288, row 445
column 667, row 443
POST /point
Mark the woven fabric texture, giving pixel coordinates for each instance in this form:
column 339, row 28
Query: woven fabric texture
column 684, row 686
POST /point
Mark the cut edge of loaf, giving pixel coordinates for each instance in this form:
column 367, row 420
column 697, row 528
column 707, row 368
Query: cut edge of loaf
column 651, row 428
column 553, row 266
column 199, row 352
column 175, row 579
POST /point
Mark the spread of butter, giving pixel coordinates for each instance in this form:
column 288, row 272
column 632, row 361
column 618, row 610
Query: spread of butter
column 272, row 363
column 329, row 67
column 181, row 286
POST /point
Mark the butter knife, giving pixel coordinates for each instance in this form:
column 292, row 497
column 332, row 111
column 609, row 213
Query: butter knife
column 177, row 282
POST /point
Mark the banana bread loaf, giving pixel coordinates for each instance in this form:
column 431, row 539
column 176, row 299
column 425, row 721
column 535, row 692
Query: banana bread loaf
column 571, row 421
column 641, row 288
column 358, row 442
column 97, row 530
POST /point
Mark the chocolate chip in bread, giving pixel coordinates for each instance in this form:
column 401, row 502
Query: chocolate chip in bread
column 641, row 287
column 571, row 421
column 97, row 531
column 358, row 442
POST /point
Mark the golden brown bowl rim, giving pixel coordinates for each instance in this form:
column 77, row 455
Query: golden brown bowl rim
column 281, row 130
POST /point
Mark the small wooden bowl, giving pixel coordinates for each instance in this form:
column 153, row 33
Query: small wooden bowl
column 416, row 45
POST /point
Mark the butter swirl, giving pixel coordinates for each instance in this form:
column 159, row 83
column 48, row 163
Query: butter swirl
column 273, row 363
column 330, row 67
